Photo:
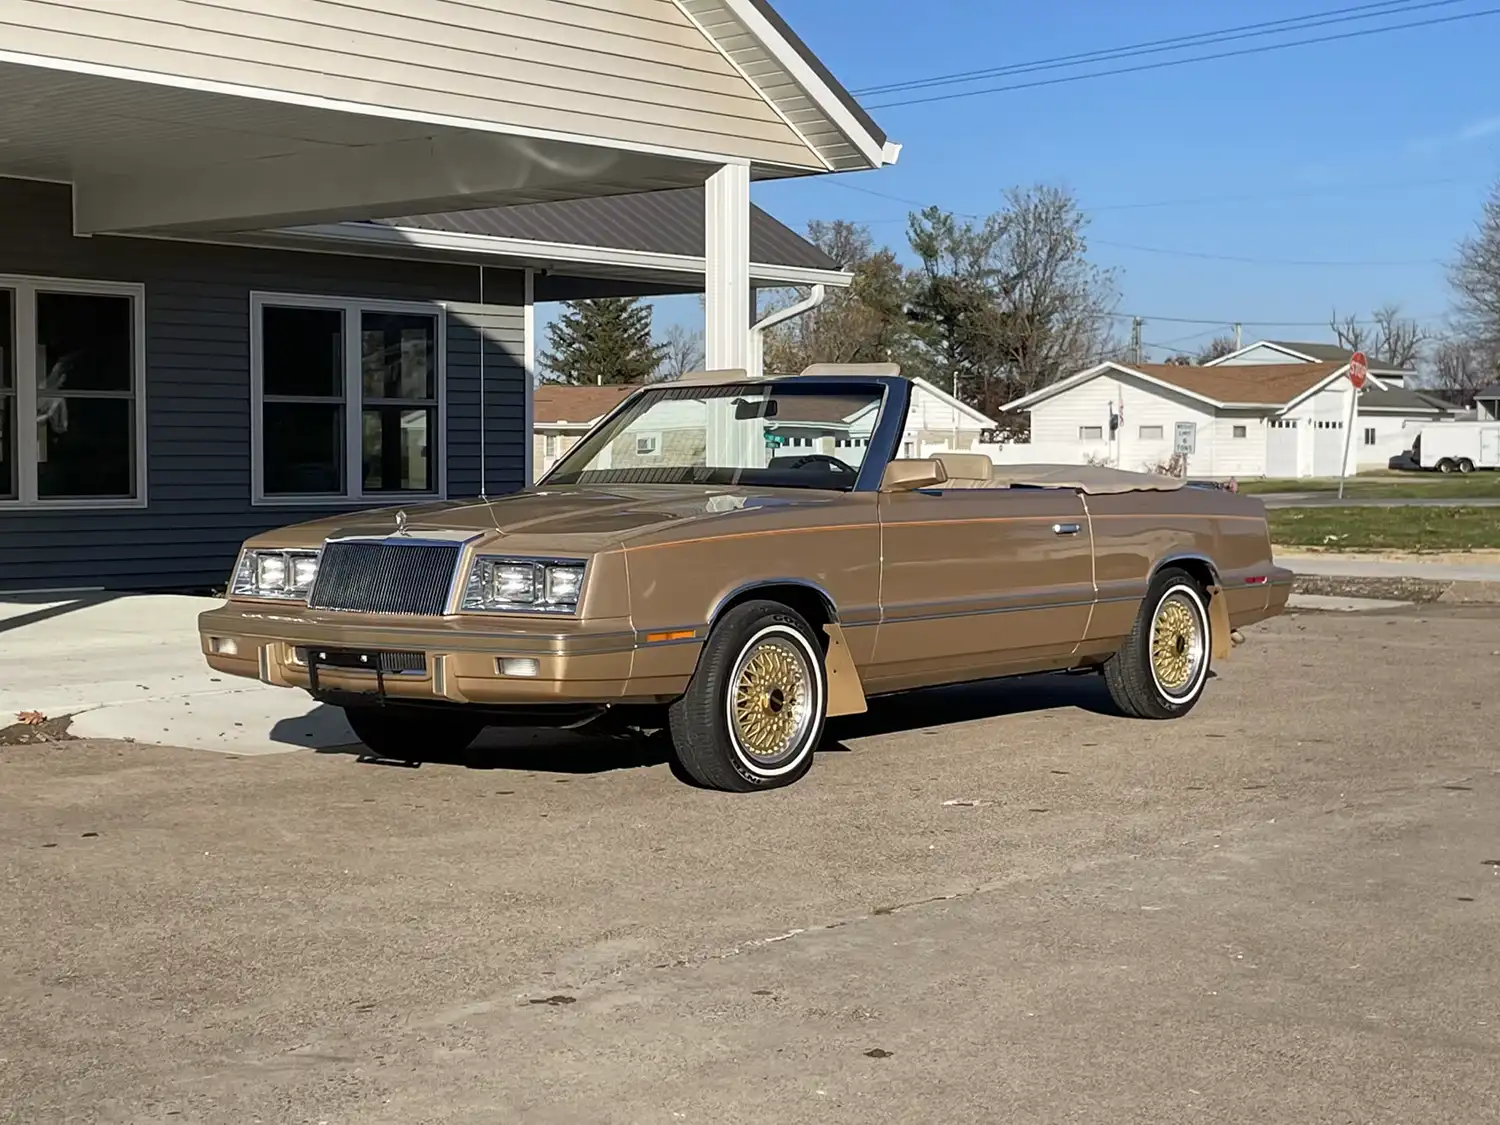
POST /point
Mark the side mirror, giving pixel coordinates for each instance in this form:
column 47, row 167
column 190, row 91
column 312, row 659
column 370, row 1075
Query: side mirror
column 908, row 476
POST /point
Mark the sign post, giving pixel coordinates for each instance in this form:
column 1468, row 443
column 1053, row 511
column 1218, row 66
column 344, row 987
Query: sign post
column 1359, row 371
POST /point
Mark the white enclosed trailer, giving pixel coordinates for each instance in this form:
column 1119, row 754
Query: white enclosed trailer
column 1458, row 447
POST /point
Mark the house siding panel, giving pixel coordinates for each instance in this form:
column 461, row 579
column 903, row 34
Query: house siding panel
column 631, row 70
column 1057, row 423
column 197, row 318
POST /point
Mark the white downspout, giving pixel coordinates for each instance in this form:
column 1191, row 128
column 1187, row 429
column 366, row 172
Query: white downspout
column 757, row 367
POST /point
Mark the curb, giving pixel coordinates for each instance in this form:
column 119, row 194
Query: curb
column 1471, row 593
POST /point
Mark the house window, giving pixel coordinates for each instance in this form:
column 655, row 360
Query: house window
column 72, row 391
column 1151, row 433
column 1369, row 435
column 647, row 445
column 1239, row 431
column 1090, row 433
column 549, row 446
column 347, row 397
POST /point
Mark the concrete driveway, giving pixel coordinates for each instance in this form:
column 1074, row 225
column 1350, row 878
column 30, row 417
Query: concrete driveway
column 1000, row 903
column 129, row 667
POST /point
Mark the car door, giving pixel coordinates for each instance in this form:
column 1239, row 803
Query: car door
column 981, row 580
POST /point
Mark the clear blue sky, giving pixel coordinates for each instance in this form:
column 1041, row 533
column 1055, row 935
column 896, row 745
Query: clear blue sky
column 1369, row 122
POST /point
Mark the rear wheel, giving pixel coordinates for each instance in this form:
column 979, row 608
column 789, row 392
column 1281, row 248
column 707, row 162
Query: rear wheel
column 412, row 733
column 1465, row 465
column 755, row 708
column 1160, row 670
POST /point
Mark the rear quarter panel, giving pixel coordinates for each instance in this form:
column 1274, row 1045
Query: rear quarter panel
column 1136, row 533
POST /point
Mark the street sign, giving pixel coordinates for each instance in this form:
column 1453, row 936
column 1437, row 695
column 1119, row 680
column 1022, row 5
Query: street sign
column 1185, row 438
column 1359, row 370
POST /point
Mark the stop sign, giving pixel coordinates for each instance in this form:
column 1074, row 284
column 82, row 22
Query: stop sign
column 1359, row 370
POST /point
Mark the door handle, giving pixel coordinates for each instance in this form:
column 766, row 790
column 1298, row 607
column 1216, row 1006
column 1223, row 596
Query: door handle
column 1066, row 529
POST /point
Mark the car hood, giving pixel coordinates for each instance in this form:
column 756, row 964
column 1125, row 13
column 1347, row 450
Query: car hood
column 576, row 519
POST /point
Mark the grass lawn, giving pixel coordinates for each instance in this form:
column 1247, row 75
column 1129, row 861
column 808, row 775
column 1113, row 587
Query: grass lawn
column 1378, row 485
column 1392, row 529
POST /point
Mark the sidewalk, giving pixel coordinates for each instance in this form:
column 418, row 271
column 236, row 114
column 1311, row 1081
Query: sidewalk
column 1470, row 577
column 130, row 667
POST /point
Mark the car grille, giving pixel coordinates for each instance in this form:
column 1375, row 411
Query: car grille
column 385, row 576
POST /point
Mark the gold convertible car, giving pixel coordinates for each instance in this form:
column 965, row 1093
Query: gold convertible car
column 736, row 560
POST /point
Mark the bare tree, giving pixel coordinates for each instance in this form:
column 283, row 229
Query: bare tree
column 1180, row 360
column 1012, row 303
column 865, row 323
column 1475, row 278
column 1459, row 368
column 682, row 351
column 1387, row 336
column 1217, row 348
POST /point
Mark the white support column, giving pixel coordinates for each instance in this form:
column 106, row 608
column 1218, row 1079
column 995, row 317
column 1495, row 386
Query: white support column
column 726, row 333
column 528, row 326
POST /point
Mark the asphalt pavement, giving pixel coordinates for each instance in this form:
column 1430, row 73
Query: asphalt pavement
column 995, row 903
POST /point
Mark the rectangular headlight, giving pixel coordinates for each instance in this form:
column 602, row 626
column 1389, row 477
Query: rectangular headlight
column 287, row 575
column 521, row 585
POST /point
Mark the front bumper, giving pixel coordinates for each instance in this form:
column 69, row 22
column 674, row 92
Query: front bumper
column 576, row 662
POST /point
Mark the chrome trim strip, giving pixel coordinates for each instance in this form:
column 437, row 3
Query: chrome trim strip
column 989, row 611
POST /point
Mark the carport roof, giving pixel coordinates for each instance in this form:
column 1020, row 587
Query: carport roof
column 657, row 222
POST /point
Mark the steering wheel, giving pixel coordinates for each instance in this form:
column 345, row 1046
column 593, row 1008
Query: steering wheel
column 823, row 459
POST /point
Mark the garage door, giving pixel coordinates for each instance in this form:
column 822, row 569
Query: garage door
column 1281, row 447
column 1328, row 448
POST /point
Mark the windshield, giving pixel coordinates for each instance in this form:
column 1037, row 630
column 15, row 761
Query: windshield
column 778, row 434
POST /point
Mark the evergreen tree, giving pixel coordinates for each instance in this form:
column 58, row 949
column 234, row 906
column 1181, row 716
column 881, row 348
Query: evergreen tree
column 602, row 341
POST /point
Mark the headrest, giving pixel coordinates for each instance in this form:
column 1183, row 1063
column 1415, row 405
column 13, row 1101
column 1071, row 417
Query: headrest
column 965, row 466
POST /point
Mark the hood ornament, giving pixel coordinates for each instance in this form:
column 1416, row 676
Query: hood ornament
column 400, row 523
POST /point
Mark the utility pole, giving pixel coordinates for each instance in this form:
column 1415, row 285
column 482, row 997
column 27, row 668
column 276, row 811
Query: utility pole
column 1236, row 337
column 1135, row 338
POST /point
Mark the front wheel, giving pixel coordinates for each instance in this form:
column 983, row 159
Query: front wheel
column 1160, row 670
column 410, row 734
column 1445, row 466
column 754, row 710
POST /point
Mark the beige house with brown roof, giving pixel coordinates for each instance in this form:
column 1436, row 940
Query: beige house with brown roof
column 1265, row 420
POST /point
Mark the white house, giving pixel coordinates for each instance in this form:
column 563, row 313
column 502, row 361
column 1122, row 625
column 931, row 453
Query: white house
column 1276, row 420
column 1294, row 351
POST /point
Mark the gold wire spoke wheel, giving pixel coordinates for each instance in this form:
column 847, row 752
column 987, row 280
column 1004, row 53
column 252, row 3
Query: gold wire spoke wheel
column 1176, row 645
column 771, row 707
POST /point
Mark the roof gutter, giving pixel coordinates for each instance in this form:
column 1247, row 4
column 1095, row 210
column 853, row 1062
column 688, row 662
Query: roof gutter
column 757, row 367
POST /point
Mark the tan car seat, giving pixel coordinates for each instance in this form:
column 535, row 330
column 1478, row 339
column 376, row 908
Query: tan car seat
column 965, row 470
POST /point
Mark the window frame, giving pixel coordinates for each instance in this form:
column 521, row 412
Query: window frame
column 1239, row 431
column 1371, row 436
column 353, row 400
column 1083, row 433
column 24, row 289
column 1161, row 433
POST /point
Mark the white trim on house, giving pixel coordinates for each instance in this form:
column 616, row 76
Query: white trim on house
column 1341, row 373
column 352, row 400
column 775, row 107
column 972, row 413
column 25, row 386
column 558, row 253
column 1295, row 357
column 787, row 58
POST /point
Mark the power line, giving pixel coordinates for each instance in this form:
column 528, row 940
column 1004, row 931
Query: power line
column 1342, row 191
column 1163, row 64
column 1203, row 255
column 1172, row 43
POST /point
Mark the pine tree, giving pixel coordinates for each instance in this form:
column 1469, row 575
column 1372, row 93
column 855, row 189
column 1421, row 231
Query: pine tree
column 602, row 341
